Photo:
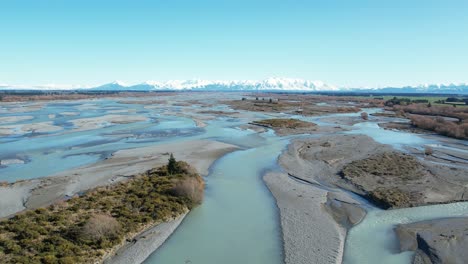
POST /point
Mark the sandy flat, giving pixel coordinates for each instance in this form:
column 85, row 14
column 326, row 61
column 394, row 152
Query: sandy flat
column 320, row 159
column 41, row 127
column 145, row 243
column 121, row 111
column 83, row 124
column 443, row 240
column 310, row 234
column 14, row 119
column 6, row 162
column 315, row 214
column 26, row 108
column 200, row 154
column 41, row 192
column 13, row 197
column 70, row 113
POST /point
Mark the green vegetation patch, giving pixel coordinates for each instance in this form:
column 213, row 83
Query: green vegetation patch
column 85, row 228
column 455, row 123
column 389, row 197
column 387, row 166
column 385, row 178
column 284, row 123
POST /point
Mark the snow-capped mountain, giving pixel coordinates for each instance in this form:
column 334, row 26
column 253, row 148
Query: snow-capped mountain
column 271, row 84
column 461, row 88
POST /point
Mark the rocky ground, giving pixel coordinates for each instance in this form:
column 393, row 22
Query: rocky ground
column 124, row 163
column 287, row 126
column 395, row 180
column 436, row 241
column 308, row 216
column 292, row 106
column 388, row 178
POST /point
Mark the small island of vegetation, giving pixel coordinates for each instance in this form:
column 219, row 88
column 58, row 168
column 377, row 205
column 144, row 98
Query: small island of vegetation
column 90, row 227
column 430, row 115
column 284, row 123
column 286, row 126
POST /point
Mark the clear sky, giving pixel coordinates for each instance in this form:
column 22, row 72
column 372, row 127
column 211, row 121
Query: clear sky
column 345, row 43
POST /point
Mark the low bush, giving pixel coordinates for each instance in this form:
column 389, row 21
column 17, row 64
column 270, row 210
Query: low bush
column 284, row 123
column 191, row 188
column 83, row 228
column 364, row 116
column 428, row 151
column 100, row 226
column 460, row 113
column 441, row 126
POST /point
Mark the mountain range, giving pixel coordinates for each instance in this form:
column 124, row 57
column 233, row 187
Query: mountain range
column 270, row 84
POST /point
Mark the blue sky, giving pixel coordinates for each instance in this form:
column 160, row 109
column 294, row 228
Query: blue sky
column 345, row 43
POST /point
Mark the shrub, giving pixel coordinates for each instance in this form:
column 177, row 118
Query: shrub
column 100, row 227
column 364, row 116
column 441, row 126
column 191, row 188
column 172, row 165
column 421, row 109
column 84, row 228
column 428, row 151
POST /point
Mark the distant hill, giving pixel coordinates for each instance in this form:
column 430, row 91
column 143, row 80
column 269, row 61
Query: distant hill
column 270, row 84
column 426, row 89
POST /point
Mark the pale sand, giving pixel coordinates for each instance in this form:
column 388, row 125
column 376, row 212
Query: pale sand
column 123, row 164
column 201, row 154
column 18, row 108
column 307, row 216
column 315, row 215
column 320, row 159
column 83, row 124
column 310, row 234
column 6, row 162
column 41, row 127
column 14, row 119
column 145, row 243
column 443, row 240
column 13, row 197
column 121, row 111
column 70, row 113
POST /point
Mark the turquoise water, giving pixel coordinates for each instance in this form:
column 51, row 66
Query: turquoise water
column 374, row 241
column 238, row 220
column 47, row 153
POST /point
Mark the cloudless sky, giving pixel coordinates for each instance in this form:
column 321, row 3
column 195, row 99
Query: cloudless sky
column 345, row 43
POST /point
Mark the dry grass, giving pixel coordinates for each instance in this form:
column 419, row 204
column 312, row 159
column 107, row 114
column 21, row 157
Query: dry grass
column 84, row 228
column 192, row 188
column 441, row 126
column 304, row 104
column 422, row 109
column 386, row 165
column 384, row 177
column 364, row 116
column 284, row 123
column 101, row 226
column 428, row 151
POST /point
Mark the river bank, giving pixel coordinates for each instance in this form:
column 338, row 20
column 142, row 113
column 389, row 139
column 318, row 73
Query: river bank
column 313, row 172
column 143, row 245
column 122, row 164
column 94, row 225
